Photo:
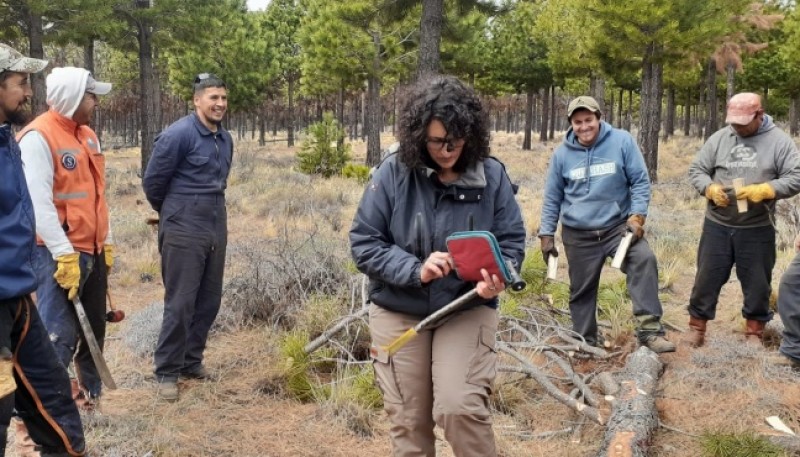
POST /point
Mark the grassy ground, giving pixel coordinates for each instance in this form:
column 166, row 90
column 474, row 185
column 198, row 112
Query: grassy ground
column 289, row 269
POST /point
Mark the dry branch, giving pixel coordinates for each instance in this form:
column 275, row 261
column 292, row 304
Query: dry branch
column 328, row 334
column 531, row 370
column 634, row 416
column 576, row 380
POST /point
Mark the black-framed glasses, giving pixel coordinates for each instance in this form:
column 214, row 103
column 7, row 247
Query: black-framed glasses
column 437, row 144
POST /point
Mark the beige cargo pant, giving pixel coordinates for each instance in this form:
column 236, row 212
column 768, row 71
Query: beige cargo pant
column 443, row 375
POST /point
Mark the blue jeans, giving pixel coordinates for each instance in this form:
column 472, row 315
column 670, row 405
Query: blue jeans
column 43, row 398
column 752, row 250
column 61, row 320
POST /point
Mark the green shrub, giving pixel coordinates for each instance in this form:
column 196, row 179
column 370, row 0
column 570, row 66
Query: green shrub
column 356, row 171
column 324, row 152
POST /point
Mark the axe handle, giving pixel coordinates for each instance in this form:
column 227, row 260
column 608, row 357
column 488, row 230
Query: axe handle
column 429, row 321
column 94, row 348
column 552, row 267
column 622, row 250
column 741, row 205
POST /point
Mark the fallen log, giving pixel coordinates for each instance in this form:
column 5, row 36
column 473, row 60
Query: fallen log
column 634, row 417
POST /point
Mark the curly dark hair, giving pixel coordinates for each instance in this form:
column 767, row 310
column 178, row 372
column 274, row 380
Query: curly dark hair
column 457, row 107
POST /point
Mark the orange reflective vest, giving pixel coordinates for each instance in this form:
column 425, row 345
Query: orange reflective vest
column 78, row 180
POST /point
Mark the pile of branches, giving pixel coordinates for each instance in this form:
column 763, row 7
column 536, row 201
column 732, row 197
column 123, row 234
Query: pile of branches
column 624, row 401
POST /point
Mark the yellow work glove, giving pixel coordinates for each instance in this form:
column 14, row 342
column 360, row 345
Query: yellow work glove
column 716, row 193
column 756, row 192
column 68, row 273
column 109, row 251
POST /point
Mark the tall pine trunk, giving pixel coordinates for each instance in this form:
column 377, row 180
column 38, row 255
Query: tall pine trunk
column 374, row 109
column 552, row 113
column 290, row 114
column 529, row 101
column 730, row 82
column 650, row 111
column 148, row 87
column 711, row 89
column 430, row 35
column 545, row 115
column 669, row 120
column 36, row 50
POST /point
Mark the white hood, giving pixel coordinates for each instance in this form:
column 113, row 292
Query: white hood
column 65, row 89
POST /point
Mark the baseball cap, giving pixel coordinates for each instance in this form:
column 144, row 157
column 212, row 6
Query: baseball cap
column 12, row 60
column 583, row 102
column 96, row 87
column 742, row 108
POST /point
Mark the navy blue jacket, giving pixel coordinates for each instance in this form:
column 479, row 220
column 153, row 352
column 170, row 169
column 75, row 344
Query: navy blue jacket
column 17, row 223
column 188, row 159
column 389, row 246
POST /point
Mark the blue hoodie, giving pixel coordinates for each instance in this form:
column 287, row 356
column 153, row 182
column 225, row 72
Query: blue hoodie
column 617, row 185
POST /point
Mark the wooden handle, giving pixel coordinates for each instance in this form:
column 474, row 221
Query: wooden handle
column 738, row 183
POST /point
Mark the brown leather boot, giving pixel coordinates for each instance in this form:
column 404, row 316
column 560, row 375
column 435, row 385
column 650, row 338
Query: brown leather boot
column 754, row 333
column 697, row 332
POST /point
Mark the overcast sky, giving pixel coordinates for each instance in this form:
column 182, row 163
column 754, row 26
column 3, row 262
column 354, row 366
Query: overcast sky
column 254, row 5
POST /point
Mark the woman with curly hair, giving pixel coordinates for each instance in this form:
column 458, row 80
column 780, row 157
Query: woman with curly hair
column 440, row 181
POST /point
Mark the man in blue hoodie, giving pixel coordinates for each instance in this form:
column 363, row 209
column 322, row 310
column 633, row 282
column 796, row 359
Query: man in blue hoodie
column 754, row 150
column 598, row 186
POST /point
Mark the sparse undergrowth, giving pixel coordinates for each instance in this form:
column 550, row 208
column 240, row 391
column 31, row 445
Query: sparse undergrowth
column 289, row 276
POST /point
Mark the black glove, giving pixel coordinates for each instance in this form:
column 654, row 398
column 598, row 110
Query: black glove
column 548, row 245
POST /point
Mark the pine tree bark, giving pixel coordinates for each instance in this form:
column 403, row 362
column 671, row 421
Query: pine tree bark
column 35, row 50
column 711, row 89
column 374, row 109
column 650, row 111
column 148, row 88
column 669, row 120
column 430, row 35
column 526, row 138
column 545, row 115
column 634, row 417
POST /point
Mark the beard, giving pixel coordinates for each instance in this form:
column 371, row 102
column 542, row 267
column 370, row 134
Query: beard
column 19, row 117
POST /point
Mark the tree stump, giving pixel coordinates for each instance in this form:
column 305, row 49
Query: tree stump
column 634, row 416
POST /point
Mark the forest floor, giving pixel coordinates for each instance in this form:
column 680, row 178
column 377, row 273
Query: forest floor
column 724, row 387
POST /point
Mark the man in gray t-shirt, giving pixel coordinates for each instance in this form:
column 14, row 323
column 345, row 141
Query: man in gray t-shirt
column 765, row 160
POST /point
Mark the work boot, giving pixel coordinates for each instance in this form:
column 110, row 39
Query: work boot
column 168, row 389
column 659, row 344
column 83, row 400
column 200, row 373
column 754, row 333
column 780, row 360
column 697, row 332
column 22, row 440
